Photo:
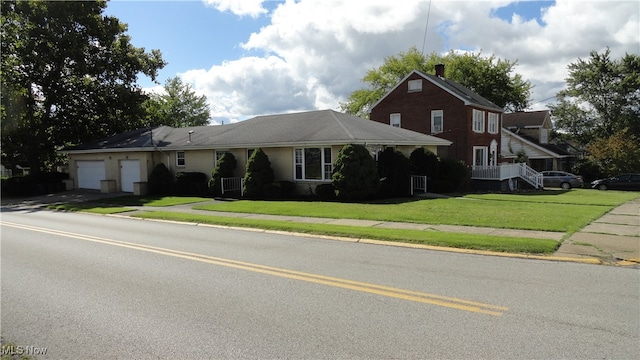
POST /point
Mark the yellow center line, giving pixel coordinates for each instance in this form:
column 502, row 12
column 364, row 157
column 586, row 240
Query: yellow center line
column 422, row 297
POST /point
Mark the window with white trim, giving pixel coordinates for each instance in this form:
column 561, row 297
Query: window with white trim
column 394, row 120
column 492, row 123
column 480, row 156
column 218, row 156
column 415, row 85
column 436, row 121
column 478, row 121
column 313, row 164
column 180, row 160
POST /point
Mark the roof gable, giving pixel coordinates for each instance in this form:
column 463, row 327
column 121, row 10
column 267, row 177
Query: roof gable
column 467, row 96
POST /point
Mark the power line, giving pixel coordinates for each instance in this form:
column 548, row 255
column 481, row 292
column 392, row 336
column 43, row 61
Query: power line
column 424, row 41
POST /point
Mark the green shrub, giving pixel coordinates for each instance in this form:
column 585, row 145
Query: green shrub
column 224, row 169
column 452, row 175
column 279, row 190
column 191, row 183
column 395, row 174
column 160, row 180
column 326, row 192
column 258, row 175
column 355, row 175
column 425, row 163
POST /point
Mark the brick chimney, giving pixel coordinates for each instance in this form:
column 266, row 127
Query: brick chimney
column 440, row 70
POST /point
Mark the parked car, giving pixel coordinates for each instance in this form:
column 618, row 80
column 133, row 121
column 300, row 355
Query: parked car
column 618, row 182
column 561, row 179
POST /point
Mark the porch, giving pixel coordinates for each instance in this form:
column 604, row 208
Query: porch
column 508, row 172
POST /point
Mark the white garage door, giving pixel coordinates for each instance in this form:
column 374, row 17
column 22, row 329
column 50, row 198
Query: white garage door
column 90, row 173
column 129, row 174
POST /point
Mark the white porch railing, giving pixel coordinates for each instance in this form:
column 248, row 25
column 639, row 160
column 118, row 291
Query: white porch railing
column 232, row 184
column 508, row 171
column 418, row 182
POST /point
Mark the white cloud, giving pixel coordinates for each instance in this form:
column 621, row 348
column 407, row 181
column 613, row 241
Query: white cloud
column 317, row 51
column 251, row 8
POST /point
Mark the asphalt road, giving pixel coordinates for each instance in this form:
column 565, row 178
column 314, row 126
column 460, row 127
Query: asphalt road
column 88, row 286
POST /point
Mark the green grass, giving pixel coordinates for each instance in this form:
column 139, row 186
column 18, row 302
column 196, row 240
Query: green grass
column 158, row 201
column 91, row 208
column 546, row 211
column 434, row 238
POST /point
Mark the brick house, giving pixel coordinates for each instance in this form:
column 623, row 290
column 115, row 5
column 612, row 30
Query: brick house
column 434, row 105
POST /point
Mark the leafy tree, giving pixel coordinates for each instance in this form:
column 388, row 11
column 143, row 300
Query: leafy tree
column 68, row 76
column 490, row 77
column 224, row 169
column 394, row 172
column 619, row 153
column 600, row 101
column 178, row 106
column 258, row 175
column 355, row 176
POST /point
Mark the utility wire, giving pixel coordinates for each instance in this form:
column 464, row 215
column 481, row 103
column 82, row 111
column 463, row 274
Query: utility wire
column 424, row 41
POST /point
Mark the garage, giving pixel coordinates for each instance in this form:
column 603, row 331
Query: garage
column 90, row 173
column 129, row 174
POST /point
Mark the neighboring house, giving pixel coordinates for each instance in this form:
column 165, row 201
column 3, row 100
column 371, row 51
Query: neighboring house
column 530, row 132
column 431, row 104
column 301, row 147
column 434, row 105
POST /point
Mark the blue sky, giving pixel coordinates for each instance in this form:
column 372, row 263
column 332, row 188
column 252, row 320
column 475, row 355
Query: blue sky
column 255, row 57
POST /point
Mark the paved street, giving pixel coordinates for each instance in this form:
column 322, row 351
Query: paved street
column 86, row 286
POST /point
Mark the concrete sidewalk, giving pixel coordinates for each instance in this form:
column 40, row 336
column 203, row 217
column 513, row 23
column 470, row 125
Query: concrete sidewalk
column 612, row 239
column 615, row 236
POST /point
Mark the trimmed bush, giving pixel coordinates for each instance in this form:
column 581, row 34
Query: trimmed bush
column 395, row 174
column 424, row 162
column 355, row 176
column 326, row 192
column 191, row 183
column 279, row 190
column 258, row 175
column 34, row 184
column 451, row 175
column 160, row 180
column 224, row 169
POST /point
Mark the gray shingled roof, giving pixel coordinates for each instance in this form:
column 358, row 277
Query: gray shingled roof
column 524, row 119
column 313, row 128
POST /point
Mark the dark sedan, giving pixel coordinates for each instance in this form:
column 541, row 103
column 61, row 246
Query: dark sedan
column 561, row 179
column 618, row 182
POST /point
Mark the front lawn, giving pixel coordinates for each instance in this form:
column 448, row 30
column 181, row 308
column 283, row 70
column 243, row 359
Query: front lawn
column 547, row 210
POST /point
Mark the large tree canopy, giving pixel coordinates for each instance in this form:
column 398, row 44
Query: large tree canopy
column 600, row 110
column 178, row 106
column 68, row 75
column 490, row 77
column 602, row 97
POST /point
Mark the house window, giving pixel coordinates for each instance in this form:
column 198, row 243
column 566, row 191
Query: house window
column 313, row 164
column 219, row 156
column 493, row 123
column 394, row 120
column 436, row 121
column 415, row 85
column 478, row 121
column 480, row 156
column 180, row 158
column 544, row 136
